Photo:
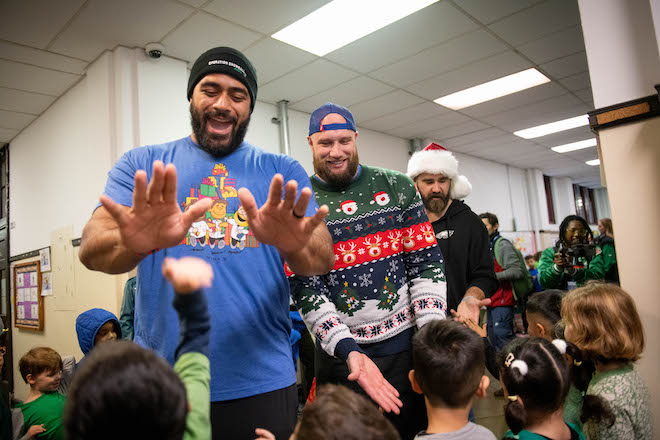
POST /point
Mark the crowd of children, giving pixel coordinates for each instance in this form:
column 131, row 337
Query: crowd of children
column 573, row 377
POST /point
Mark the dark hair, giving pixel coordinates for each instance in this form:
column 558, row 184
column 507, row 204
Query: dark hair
column 340, row 414
column 547, row 304
column 529, row 257
column 449, row 362
column 542, row 388
column 492, row 218
column 39, row 360
column 123, row 385
column 564, row 225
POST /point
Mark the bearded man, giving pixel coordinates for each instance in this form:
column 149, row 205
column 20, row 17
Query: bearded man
column 253, row 381
column 461, row 235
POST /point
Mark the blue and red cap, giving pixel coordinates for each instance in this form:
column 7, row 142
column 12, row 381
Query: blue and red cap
column 315, row 125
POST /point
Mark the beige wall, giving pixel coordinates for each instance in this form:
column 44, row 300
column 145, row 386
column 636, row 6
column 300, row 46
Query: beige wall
column 75, row 289
column 631, row 157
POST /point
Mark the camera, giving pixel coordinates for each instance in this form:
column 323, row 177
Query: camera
column 154, row 50
column 579, row 253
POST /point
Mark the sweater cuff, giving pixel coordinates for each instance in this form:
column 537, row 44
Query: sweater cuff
column 345, row 347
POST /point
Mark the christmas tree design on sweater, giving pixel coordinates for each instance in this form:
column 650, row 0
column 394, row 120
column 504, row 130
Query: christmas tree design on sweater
column 389, row 272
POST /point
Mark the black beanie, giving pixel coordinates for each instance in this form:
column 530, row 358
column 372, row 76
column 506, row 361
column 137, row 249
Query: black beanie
column 229, row 62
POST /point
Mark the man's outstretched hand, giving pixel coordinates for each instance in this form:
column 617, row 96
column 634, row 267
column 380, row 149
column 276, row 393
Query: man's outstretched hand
column 155, row 221
column 368, row 376
column 282, row 222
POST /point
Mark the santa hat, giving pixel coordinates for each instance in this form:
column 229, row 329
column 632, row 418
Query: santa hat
column 435, row 159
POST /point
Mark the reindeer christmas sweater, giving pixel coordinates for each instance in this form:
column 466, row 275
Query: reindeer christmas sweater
column 388, row 275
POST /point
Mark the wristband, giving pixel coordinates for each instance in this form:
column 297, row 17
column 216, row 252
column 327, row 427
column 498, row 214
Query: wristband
column 468, row 296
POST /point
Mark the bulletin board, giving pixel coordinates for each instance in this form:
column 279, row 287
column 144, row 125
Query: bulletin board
column 524, row 241
column 28, row 302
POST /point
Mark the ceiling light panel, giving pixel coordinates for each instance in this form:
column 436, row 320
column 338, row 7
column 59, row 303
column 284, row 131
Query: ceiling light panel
column 341, row 22
column 593, row 163
column 493, row 89
column 553, row 127
column 575, row 146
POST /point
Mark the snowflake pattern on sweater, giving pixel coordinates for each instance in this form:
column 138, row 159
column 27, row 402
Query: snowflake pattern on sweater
column 388, row 274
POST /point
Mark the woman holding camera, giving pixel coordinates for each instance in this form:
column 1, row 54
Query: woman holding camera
column 575, row 259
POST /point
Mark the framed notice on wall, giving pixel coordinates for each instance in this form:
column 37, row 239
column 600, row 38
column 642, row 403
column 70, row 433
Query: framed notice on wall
column 28, row 302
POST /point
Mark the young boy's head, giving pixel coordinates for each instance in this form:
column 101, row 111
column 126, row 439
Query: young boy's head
column 530, row 261
column 123, row 385
column 449, row 364
column 41, row 368
column 340, row 414
column 96, row 326
column 543, row 313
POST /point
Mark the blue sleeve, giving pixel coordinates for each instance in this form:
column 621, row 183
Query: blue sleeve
column 121, row 178
column 194, row 323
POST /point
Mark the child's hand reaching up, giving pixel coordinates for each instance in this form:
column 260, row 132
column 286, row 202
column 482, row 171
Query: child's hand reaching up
column 469, row 323
column 35, row 430
column 187, row 274
column 264, row 434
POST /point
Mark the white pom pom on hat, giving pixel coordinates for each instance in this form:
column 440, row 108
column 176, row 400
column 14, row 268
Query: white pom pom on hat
column 435, row 159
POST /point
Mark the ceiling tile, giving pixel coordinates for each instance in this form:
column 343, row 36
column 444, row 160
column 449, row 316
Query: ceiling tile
column 506, row 151
column 407, row 116
column 24, row 102
column 519, row 99
column 470, row 75
column 263, row 17
column 430, row 125
column 41, row 58
column 425, row 28
column 383, row 105
column 15, row 120
column 488, row 11
column 442, row 58
column 194, row 3
column 35, row 79
column 554, row 46
column 457, row 130
column 583, row 155
column 475, row 136
column 104, row 24
column 273, row 59
column 306, row 81
column 550, row 110
column 585, row 94
column 357, row 90
column 7, row 134
column 503, row 144
column 35, row 23
column 566, row 66
column 204, row 31
column 577, row 82
column 538, row 21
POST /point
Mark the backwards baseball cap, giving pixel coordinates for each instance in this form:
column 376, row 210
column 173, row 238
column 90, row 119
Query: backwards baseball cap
column 229, row 62
column 315, row 121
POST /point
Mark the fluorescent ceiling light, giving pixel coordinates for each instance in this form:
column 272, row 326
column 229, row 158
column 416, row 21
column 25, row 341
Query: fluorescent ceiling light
column 593, row 163
column 575, row 146
column 343, row 21
column 553, row 127
column 493, row 89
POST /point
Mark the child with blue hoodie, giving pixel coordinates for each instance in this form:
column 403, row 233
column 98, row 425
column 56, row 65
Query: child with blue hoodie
column 96, row 326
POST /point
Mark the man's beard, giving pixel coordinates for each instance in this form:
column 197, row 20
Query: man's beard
column 338, row 180
column 216, row 145
column 435, row 202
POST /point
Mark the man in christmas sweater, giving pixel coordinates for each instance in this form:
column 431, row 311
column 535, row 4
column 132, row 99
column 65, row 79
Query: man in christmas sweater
column 388, row 277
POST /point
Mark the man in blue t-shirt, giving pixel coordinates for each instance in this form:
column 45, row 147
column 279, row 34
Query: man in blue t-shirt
column 182, row 198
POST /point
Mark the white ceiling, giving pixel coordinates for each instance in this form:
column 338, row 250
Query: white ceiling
column 388, row 78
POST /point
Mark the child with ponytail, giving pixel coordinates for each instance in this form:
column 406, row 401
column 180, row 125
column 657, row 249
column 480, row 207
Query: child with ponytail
column 536, row 379
column 602, row 321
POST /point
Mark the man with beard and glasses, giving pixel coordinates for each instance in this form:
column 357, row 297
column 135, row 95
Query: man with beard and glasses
column 388, row 277
column 461, row 235
column 138, row 224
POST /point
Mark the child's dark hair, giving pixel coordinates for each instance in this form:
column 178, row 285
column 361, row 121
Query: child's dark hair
column 341, row 414
column 449, row 363
column 39, row 360
column 547, row 304
column 122, row 385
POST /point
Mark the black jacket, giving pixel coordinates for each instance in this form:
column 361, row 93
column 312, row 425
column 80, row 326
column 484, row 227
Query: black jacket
column 463, row 239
